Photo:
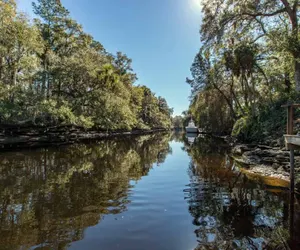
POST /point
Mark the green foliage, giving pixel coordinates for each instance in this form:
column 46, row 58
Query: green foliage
column 270, row 122
column 248, row 65
column 240, row 126
column 53, row 73
column 178, row 122
column 48, row 111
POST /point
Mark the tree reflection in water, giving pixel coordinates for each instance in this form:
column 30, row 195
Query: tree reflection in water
column 229, row 210
column 49, row 196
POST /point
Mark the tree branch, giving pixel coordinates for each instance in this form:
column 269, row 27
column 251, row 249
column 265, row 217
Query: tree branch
column 257, row 38
column 296, row 4
column 255, row 15
column 261, row 25
column 288, row 7
column 292, row 14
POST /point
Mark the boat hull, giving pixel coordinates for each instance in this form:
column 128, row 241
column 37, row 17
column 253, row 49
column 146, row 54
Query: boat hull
column 191, row 130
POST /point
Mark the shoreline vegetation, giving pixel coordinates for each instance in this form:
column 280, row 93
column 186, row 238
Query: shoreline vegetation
column 54, row 76
column 247, row 67
column 18, row 137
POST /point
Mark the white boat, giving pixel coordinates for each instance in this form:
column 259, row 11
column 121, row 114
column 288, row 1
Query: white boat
column 191, row 128
column 191, row 137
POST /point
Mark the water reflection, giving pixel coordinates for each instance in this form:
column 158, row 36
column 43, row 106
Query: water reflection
column 229, row 210
column 49, row 196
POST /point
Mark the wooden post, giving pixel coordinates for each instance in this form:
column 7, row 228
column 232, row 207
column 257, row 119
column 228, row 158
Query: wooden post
column 290, row 131
column 292, row 242
column 292, row 171
column 290, row 120
column 291, row 147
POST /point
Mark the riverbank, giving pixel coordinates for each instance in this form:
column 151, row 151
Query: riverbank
column 268, row 161
column 15, row 137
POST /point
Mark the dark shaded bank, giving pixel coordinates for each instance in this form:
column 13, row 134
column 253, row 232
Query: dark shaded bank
column 14, row 137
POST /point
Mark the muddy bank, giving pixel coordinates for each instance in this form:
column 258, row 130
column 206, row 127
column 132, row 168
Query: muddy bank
column 273, row 162
column 14, row 137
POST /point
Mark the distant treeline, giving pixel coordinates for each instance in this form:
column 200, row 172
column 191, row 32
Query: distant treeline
column 53, row 73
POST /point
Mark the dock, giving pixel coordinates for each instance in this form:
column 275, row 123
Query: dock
column 292, row 141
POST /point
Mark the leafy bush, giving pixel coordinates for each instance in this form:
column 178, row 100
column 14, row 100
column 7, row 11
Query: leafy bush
column 270, row 121
column 48, row 112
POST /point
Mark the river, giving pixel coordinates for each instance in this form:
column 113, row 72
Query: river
column 157, row 191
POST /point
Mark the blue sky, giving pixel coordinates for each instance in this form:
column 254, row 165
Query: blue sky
column 161, row 37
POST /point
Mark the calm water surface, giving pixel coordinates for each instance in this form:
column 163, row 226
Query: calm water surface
column 148, row 192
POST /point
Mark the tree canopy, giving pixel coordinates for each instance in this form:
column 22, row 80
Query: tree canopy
column 249, row 61
column 54, row 73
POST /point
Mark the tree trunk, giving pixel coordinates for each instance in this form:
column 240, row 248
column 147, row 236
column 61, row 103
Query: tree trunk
column 13, row 76
column 48, row 86
column 45, row 73
column 43, row 88
column 235, row 99
column 297, row 73
column 244, row 91
column 287, row 82
column 237, row 102
column 228, row 101
column 59, row 91
column 1, row 67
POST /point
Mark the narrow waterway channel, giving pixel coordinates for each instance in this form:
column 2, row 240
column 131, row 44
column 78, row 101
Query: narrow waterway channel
column 157, row 191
